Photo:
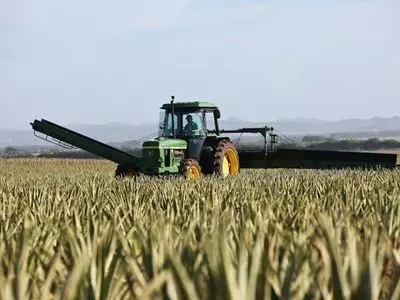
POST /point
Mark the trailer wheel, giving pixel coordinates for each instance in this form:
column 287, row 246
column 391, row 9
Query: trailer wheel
column 190, row 169
column 226, row 160
column 125, row 171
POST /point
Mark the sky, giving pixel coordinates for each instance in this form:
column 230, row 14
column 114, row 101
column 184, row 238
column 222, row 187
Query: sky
column 102, row 61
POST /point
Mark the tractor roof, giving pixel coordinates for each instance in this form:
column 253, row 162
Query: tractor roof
column 190, row 105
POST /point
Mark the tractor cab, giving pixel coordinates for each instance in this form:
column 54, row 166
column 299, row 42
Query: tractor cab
column 187, row 120
column 192, row 122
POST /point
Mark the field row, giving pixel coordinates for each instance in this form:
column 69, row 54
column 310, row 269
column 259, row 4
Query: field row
column 70, row 230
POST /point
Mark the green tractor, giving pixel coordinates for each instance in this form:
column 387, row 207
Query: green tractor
column 185, row 144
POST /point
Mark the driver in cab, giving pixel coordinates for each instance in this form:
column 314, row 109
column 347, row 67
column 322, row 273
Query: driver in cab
column 191, row 128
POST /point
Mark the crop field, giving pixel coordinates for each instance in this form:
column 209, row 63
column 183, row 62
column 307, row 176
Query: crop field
column 69, row 230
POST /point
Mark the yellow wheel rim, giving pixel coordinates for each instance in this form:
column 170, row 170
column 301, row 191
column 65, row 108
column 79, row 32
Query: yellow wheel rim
column 225, row 167
column 194, row 172
column 230, row 164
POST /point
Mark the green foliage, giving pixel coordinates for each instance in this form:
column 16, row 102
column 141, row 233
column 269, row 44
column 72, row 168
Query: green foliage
column 323, row 143
column 369, row 144
column 70, row 230
column 10, row 150
column 313, row 138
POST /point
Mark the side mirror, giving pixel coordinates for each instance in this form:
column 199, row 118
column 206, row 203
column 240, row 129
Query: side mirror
column 217, row 113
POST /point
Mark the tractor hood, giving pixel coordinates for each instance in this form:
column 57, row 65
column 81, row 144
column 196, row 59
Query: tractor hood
column 165, row 143
column 162, row 155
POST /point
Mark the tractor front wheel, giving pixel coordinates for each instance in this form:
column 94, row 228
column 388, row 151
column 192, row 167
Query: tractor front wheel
column 226, row 161
column 190, row 169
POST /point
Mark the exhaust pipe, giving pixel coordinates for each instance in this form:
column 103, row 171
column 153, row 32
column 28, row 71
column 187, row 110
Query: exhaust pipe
column 173, row 115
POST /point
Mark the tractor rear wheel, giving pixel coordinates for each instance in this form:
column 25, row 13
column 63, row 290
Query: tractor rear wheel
column 125, row 171
column 190, row 169
column 226, row 159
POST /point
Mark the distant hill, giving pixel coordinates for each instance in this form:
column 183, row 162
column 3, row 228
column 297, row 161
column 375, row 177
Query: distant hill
column 294, row 128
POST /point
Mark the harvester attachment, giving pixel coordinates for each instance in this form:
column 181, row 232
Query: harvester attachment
column 70, row 139
column 274, row 157
column 316, row 159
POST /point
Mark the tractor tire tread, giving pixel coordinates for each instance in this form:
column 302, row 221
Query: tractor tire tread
column 219, row 155
column 186, row 164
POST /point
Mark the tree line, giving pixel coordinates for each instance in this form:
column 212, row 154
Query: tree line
column 308, row 142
